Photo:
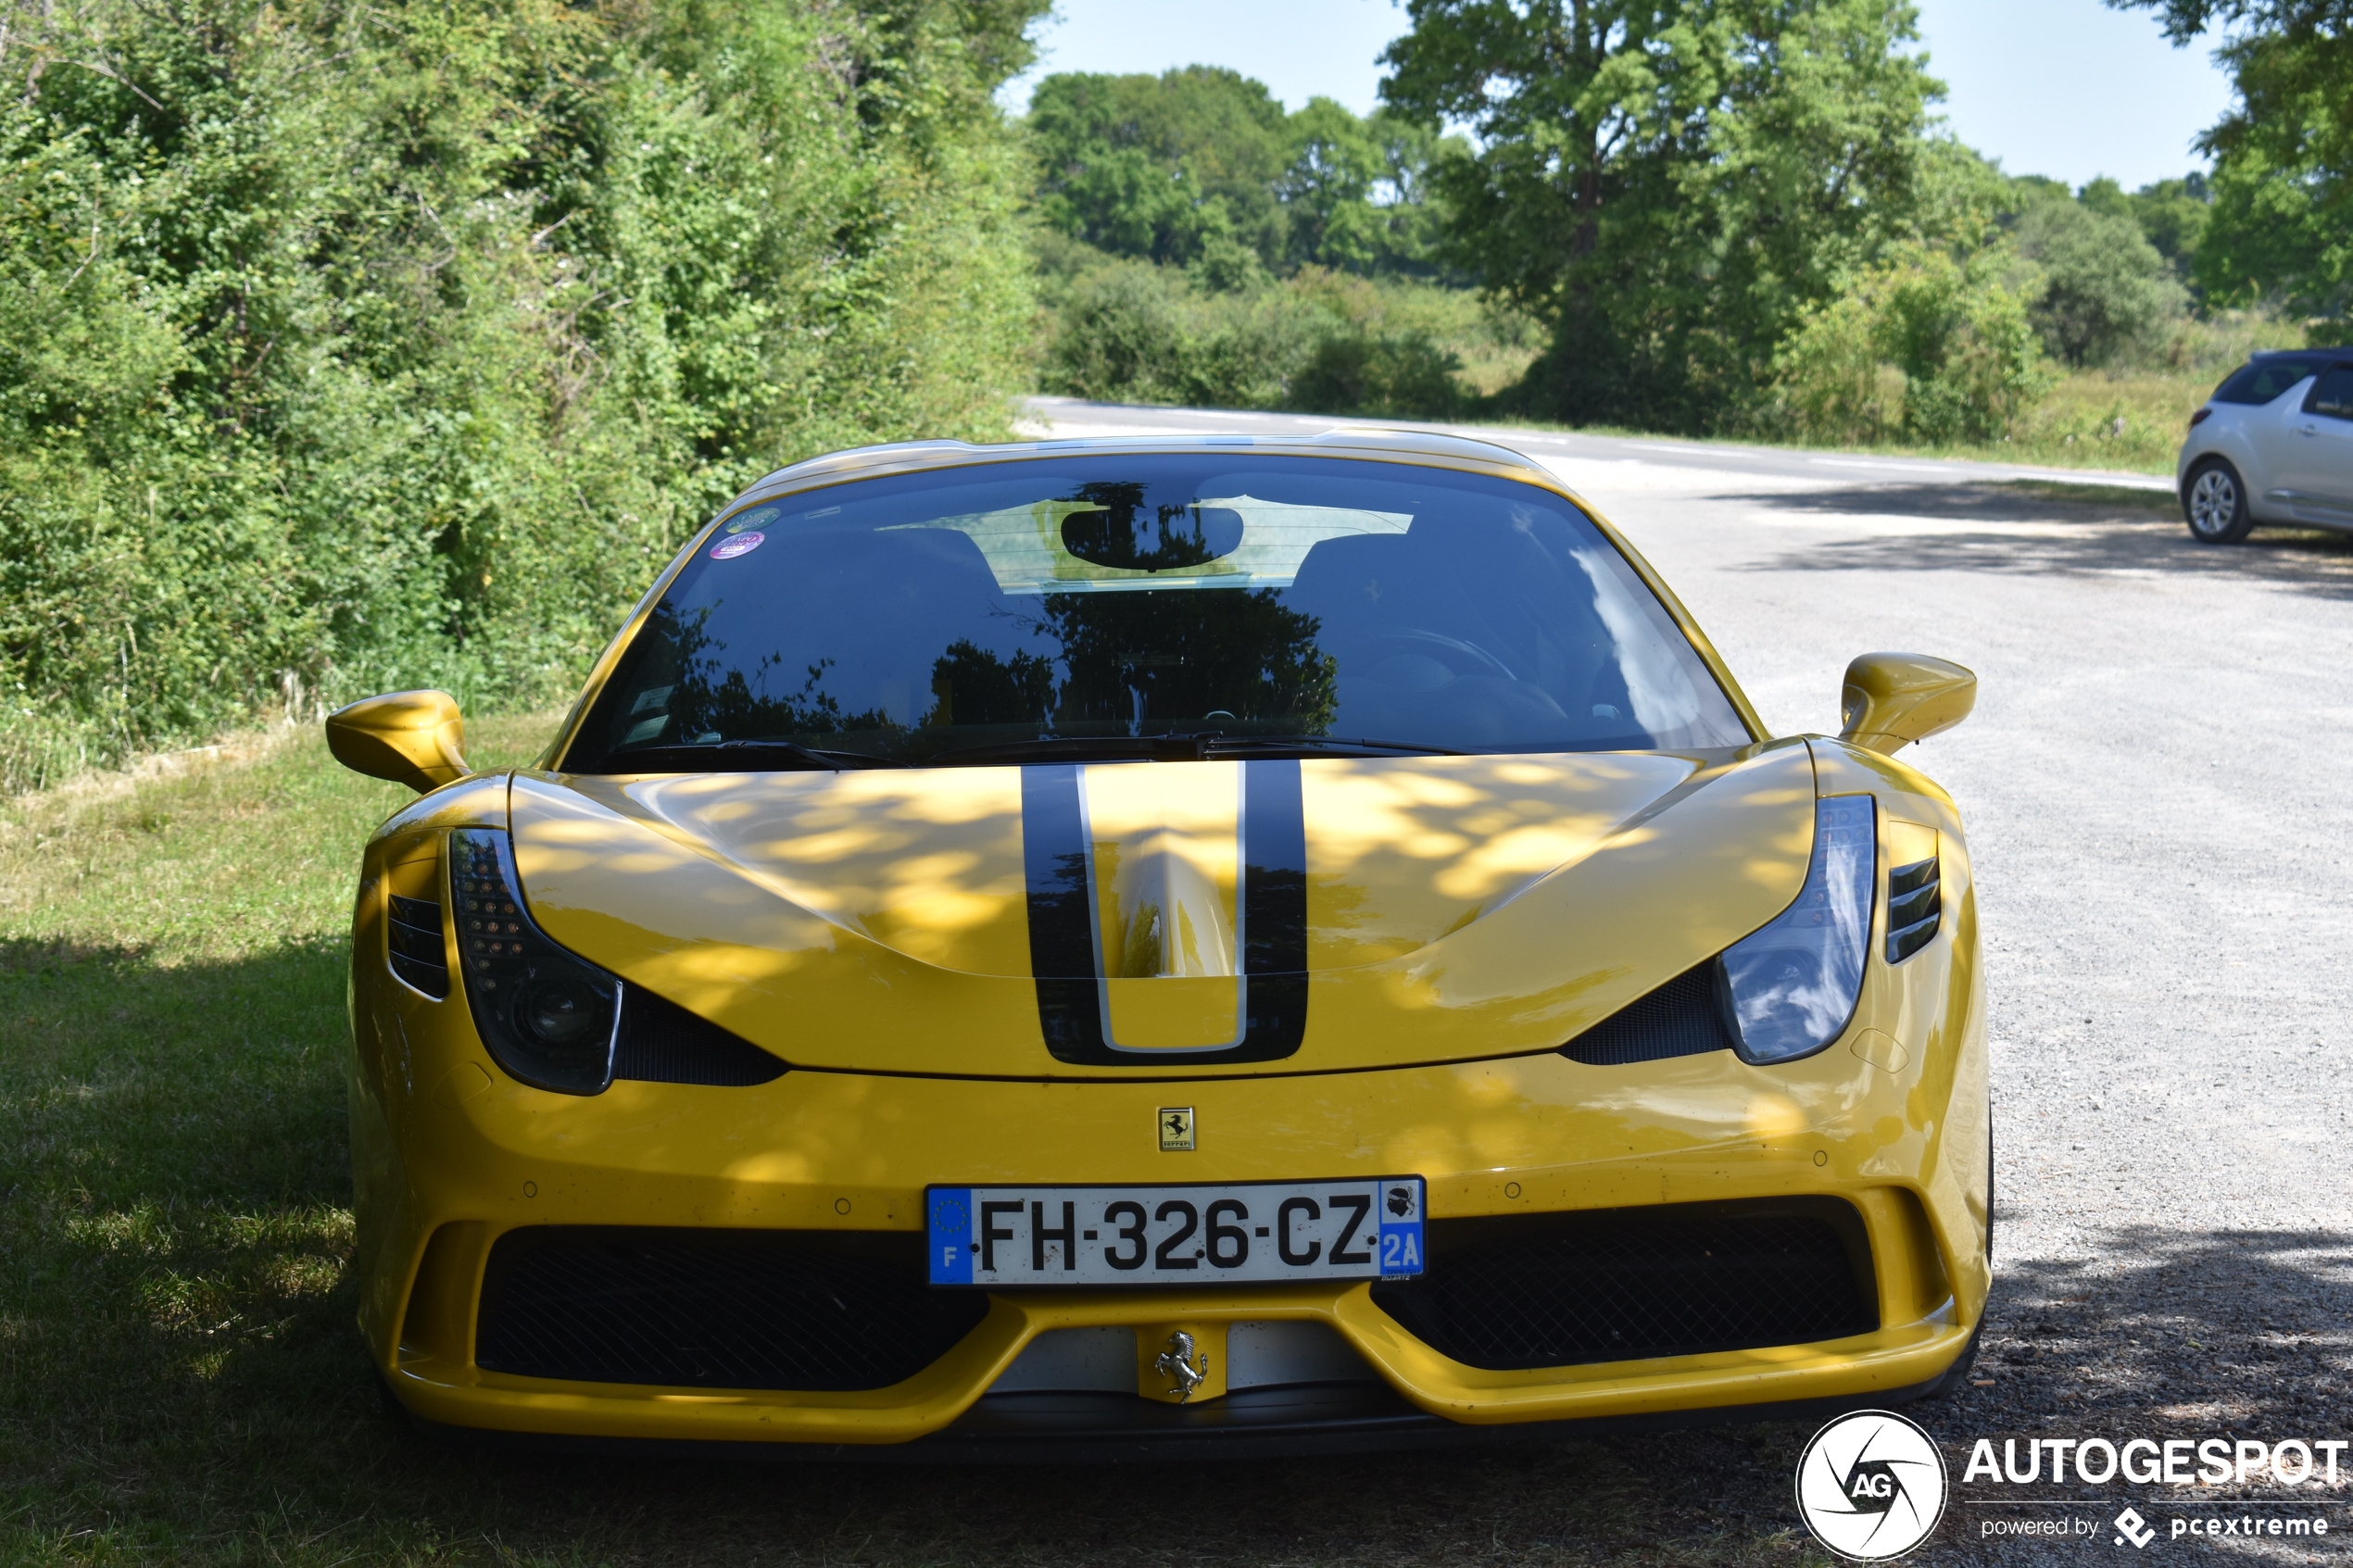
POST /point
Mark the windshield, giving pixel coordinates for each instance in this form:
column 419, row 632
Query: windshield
column 1163, row 604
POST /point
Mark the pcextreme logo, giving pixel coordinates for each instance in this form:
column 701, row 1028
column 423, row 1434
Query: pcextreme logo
column 1872, row 1485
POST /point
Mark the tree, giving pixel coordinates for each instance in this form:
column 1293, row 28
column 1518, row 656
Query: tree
column 1327, row 189
column 1356, row 193
column 2281, row 225
column 1201, row 168
column 1170, row 167
column 1667, row 185
column 2106, row 290
column 2172, row 215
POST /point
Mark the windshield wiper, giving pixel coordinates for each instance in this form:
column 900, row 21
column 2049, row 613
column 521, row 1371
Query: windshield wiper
column 1326, row 743
column 1146, row 748
column 734, row 756
column 1170, row 748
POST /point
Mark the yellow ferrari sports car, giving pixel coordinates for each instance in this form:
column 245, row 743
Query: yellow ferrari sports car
column 1094, row 948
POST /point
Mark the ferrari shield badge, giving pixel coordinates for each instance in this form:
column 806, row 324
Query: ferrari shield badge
column 1175, row 1128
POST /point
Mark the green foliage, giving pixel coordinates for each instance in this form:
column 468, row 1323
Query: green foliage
column 1201, row 168
column 2281, row 227
column 1670, row 186
column 1129, row 331
column 2107, row 292
column 344, row 348
column 1160, row 167
column 2172, row 215
column 1922, row 347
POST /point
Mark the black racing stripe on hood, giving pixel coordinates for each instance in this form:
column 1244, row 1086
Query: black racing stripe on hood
column 1062, row 922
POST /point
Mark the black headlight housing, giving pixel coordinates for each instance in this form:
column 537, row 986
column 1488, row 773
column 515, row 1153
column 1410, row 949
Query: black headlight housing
column 549, row 1018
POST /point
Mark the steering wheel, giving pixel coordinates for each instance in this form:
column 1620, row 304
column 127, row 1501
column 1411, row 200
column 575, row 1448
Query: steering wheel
column 1462, row 657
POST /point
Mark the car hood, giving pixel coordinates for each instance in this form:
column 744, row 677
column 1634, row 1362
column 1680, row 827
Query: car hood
column 1441, row 908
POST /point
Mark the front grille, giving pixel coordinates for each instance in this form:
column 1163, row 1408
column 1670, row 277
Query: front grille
column 1680, row 1018
column 1512, row 1292
column 1915, row 908
column 820, row 1311
column 413, row 945
column 662, row 1042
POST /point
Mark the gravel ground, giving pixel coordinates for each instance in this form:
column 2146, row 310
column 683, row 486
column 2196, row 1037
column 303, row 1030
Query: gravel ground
column 2154, row 791
column 2153, row 781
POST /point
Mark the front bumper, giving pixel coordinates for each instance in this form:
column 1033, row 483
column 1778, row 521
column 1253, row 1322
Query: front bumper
column 446, row 1172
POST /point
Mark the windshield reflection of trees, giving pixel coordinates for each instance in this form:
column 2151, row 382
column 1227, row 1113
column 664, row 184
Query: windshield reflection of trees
column 714, row 697
column 1134, row 662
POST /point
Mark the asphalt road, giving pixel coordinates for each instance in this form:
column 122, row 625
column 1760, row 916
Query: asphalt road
column 1069, row 417
column 2155, row 785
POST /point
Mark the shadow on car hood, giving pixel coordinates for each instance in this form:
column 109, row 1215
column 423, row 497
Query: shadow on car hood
column 904, row 920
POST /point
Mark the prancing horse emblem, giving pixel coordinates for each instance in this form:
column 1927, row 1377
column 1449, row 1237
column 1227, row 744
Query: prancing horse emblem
column 1177, row 1361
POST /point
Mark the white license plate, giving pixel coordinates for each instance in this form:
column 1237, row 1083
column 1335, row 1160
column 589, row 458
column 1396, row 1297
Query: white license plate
column 1026, row 1236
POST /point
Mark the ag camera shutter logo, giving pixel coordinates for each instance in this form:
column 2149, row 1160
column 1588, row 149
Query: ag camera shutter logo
column 1872, row 1485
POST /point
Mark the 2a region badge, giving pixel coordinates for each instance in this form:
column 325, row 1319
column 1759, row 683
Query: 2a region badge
column 1872, row 1485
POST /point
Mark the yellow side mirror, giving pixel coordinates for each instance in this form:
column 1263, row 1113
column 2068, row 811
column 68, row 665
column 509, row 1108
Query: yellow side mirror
column 409, row 737
column 1892, row 699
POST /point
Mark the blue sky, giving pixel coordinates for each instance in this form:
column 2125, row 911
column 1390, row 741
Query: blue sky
column 2066, row 88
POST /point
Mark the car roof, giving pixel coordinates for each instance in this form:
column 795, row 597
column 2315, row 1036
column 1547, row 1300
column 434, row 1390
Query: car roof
column 1430, row 448
column 2301, row 354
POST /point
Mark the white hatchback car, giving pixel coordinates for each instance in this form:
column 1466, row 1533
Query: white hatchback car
column 2275, row 444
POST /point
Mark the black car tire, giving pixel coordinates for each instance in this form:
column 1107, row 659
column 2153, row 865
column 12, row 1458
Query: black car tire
column 2214, row 503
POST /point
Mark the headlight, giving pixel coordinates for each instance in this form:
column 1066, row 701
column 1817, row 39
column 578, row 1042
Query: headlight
column 549, row 1019
column 1789, row 988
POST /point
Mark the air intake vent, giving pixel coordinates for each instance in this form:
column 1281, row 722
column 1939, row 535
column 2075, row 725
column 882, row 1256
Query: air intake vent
column 412, row 938
column 1681, row 1018
column 1914, row 908
column 1511, row 1292
column 663, row 1043
column 830, row 1310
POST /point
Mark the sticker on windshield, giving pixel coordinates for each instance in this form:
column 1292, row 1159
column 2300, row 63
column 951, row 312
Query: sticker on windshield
column 741, row 544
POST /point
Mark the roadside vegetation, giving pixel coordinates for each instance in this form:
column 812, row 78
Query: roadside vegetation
column 347, row 348
column 352, row 347
column 1754, row 229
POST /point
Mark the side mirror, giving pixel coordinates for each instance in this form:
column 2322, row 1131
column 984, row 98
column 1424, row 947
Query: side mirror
column 1892, row 699
column 409, row 737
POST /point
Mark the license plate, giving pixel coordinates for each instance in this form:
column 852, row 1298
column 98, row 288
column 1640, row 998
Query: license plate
column 1027, row 1236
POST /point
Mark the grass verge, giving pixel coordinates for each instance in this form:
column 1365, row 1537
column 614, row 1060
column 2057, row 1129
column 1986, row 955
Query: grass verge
column 180, row 1378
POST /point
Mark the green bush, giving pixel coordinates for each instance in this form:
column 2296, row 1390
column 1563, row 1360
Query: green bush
column 1318, row 341
column 1403, row 374
column 349, row 347
column 1924, row 349
column 1128, row 332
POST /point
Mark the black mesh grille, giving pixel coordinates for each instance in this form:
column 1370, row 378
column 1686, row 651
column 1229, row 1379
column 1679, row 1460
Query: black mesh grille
column 809, row 1310
column 1544, row 1290
column 662, row 1042
column 412, row 937
column 1679, row 1019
